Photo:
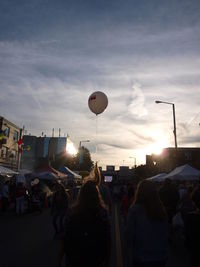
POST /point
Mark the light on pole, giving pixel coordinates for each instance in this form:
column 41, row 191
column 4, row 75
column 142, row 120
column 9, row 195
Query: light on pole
column 83, row 141
column 134, row 161
column 80, row 151
column 174, row 118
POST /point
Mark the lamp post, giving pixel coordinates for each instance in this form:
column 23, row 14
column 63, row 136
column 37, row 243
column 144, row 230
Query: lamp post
column 134, row 161
column 83, row 141
column 174, row 118
column 80, row 150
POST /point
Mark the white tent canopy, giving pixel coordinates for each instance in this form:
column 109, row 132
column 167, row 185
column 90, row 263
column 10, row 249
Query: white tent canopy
column 6, row 171
column 70, row 173
column 158, row 178
column 184, row 173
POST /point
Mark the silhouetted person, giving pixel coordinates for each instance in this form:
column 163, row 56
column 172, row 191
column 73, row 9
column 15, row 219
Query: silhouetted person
column 169, row 196
column 59, row 209
column 5, row 196
column 147, row 229
column 196, row 196
column 187, row 204
column 87, row 236
column 192, row 232
column 95, row 176
column 20, row 198
column 127, row 200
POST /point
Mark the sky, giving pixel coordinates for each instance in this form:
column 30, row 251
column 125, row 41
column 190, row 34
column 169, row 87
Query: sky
column 55, row 54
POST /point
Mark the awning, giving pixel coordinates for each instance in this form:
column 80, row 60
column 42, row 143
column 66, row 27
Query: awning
column 70, row 173
column 158, row 178
column 6, row 171
column 184, row 173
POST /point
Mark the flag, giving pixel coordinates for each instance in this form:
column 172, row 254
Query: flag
column 93, row 97
column 27, row 148
column 20, row 142
column 3, row 134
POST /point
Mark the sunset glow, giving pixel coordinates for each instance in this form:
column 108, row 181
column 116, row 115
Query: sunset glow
column 71, row 149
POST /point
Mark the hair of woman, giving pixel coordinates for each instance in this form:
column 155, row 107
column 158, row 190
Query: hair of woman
column 147, row 195
column 95, row 175
column 89, row 199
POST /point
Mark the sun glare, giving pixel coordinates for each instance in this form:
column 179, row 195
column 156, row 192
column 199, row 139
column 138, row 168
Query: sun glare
column 157, row 149
column 71, row 149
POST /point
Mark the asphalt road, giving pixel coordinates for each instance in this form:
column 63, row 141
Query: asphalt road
column 27, row 241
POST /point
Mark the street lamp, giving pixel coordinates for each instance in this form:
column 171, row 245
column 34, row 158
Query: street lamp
column 134, row 160
column 83, row 141
column 174, row 118
column 80, row 150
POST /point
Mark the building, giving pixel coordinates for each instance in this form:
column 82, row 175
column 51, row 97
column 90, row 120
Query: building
column 123, row 174
column 172, row 157
column 10, row 134
column 41, row 148
column 109, row 174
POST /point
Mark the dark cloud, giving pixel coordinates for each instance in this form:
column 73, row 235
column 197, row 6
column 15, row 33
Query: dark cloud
column 31, row 19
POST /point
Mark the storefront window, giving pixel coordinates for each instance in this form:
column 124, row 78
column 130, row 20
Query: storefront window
column 6, row 131
column 15, row 136
column 4, row 152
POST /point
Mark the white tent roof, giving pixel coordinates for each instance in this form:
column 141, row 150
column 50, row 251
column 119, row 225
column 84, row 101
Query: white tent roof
column 158, row 178
column 4, row 171
column 70, row 173
column 185, row 173
column 47, row 176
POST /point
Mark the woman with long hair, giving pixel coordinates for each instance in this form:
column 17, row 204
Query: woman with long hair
column 87, row 237
column 95, row 176
column 147, row 229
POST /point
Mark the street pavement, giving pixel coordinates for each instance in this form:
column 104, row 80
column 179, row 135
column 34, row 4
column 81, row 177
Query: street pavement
column 27, row 241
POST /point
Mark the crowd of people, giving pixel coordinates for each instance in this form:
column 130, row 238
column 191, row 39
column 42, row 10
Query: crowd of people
column 152, row 214
column 16, row 195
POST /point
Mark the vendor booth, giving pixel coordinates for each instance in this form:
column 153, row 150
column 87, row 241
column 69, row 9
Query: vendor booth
column 70, row 173
column 184, row 173
column 6, row 171
column 158, row 178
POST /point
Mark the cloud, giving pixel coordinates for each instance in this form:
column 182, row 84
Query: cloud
column 53, row 58
column 137, row 102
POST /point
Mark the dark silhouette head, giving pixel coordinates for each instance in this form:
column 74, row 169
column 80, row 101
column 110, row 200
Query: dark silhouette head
column 89, row 199
column 147, row 196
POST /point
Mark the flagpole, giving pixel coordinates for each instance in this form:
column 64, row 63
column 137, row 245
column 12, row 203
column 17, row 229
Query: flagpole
column 19, row 150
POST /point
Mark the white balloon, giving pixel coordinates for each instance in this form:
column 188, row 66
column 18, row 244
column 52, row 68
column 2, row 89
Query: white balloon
column 98, row 102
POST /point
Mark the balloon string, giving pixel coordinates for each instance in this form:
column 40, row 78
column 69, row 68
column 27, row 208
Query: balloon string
column 96, row 137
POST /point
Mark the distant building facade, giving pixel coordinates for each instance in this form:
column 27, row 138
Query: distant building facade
column 10, row 134
column 173, row 157
column 41, row 148
column 123, row 174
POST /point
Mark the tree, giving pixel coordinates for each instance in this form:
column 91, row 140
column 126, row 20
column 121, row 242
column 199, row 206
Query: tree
column 82, row 161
